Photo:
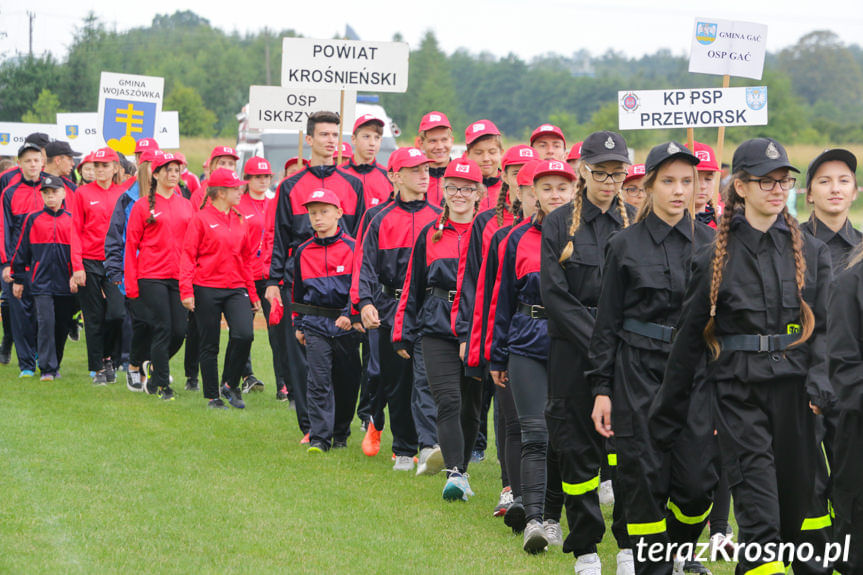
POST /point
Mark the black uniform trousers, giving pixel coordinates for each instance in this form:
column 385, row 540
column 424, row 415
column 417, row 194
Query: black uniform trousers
column 334, row 379
column 54, row 316
column 848, row 488
column 294, row 364
column 168, row 324
column 104, row 308
column 817, row 528
column 509, row 438
column 22, row 317
column 275, row 336
column 767, row 440
column 395, row 390
column 580, row 452
column 668, row 495
column 210, row 304
column 138, row 314
column 192, row 350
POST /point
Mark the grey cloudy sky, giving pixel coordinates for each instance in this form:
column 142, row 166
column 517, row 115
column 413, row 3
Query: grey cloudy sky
column 634, row 27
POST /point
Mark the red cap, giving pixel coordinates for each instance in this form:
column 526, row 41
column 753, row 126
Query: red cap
column 181, row 157
column 105, row 155
column 224, row 178
column 634, row 171
column 525, row 174
column 145, row 144
column 149, row 155
column 464, row 169
column 554, row 167
column 706, row 158
column 366, row 119
column 347, row 151
column 517, row 155
column 220, row 151
column 323, row 197
column 165, row 159
column 295, row 160
column 547, row 130
column 479, row 129
column 408, row 158
column 434, row 120
column 575, row 152
column 257, row 166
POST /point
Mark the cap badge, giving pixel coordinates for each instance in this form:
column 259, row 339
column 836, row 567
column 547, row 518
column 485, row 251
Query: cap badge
column 525, row 153
column 556, row 165
column 609, row 143
column 546, row 128
column 318, row 194
column 478, row 127
column 413, row 152
column 434, row 118
column 672, row 148
column 703, row 155
column 463, row 168
column 262, row 165
column 771, row 152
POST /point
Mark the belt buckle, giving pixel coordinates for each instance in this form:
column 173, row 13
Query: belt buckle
column 763, row 343
column 398, row 293
column 670, row 333
column 534, row 312
column 451, row 296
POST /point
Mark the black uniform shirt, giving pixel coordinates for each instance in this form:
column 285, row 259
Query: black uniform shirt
column 841, row 243
column 845, row 337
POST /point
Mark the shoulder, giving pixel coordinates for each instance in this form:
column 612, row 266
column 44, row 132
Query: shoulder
column 703, row 233
column 350, row 178
column 289, row 184
column 561, row 217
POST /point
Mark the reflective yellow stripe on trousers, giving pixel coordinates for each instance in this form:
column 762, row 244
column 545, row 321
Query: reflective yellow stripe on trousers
column 581, row 488
column 687, row 519
column 816, row 523
column 774, row 568
column 646, row 528
column 612, row 460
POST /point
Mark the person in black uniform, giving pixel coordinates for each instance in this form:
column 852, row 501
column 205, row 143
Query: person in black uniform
column 574, row 239
column 757, row 303
column 831, row 188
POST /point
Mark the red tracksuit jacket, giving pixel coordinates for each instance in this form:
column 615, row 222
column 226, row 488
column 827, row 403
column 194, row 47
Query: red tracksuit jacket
column 377, row 187
column 257, row 216
column 92, row 207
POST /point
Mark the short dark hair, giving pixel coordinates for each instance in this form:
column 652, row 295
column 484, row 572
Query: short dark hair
column 322, row 117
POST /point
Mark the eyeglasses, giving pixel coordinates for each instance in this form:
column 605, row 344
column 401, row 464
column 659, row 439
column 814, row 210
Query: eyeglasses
column 601, row 176
column 633, row 190
column 767, row 184
column 454, row 190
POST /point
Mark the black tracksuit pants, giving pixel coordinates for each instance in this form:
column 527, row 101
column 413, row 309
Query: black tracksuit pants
column 295, row 365
column 395, row 389
column 848, row 488
column 210, row 304
column 168, row 321
column 104, row 308
column 334, row 380
column 54, row 316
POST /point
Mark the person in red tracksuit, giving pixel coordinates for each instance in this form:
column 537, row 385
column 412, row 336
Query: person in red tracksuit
column 43, row 257
column 484, row 146
column 157, row 224
column 574, row 154
column 221, row 157
column 520, row 341
column 706, row 210
column 101, row 301
column 548, row 140
column 366, row 138
column 321, row 301
column 216, row 279
column 425, row 308
column 435, row 139
column 379, row 272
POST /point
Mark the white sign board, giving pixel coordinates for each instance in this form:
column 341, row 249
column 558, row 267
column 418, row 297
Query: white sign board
column 345, row 64
column 129, row 108
column 724, row 47
column 83, row 133
column 277, row 108
column 690, row 108
column 12, row 135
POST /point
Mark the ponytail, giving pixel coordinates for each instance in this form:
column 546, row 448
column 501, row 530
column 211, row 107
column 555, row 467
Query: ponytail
column 500, row 207
column 441, row 223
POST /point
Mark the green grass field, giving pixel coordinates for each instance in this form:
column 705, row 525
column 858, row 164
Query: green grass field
column 102, row 480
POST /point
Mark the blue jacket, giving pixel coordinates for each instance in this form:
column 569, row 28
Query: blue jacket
column 44, row 251
column 115, row 240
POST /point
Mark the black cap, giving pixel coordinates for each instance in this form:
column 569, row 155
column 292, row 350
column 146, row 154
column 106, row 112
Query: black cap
column 39, row 138
column 60, row 148
column 834, row 155
column 52, row 182
column 27, row 146
column 668, row 151
column 760, row 156
column 604, row 147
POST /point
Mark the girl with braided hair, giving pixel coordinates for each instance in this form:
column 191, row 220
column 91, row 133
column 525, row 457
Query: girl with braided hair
column 574, row 240
column 667, row 496
column 425, row 310
column 756, row 306
column 154, row 241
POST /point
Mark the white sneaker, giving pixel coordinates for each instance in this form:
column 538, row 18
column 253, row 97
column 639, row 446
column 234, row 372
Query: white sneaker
column 606, row 493
column 553, row 532
column 534, row 537
column 430, row 461
column 721, row 541
column 625, row 562
column 588, row 564
column 677, row 568
column 403, row 463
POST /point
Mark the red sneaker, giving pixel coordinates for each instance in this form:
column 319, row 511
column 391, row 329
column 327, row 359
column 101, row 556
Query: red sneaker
column 305, row 439
column 372, row 441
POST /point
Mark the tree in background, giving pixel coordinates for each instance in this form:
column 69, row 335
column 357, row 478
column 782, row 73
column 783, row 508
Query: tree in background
column 195, row 118
column 21, row 82
column 45, row 109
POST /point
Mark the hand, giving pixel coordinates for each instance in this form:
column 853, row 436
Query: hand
column 403, row 353
column 189, row 303
column 7, row 274
column 461, row 348
column 18, row 292
column 343, row 323
column 73, row 285
column 80, row 278
column 500, row 378
column 601, row 415
column 301, row 337
column 272, row 294
column 256, row 307
column 370, row 317
column 359, row 327
column 815, row 409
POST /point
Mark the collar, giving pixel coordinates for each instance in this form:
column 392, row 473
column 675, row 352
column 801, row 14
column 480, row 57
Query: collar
column 322, row 172
column 659, row 229
column 590, row 211
column 328, row 241
column 437, row 172
column 750, row 237
column 847, row 232
column 54, row 214
column 490, row 182
column 413, row 206
column 361, row 168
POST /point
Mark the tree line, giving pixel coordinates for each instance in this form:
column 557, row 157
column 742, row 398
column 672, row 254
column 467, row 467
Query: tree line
column 815, row 86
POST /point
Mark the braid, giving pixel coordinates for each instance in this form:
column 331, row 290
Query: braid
column 577, row 200
column 151, row 200
column 515, row 207
column 621, row 205
column 441, row 223
column 807, row 318
column 540, row 214
column 500, row 207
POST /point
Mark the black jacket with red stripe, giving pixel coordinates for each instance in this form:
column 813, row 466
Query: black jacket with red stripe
column 382, row 259
column 425, row 306
column 19, row 199
column 290, row 216
column 44, row 248
column 377, row 186
column 434, row 194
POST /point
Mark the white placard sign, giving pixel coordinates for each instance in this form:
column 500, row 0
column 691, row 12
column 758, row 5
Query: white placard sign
column 691, row 108
column 277, row 108
column 82, row 132
column 345, row 64
column 129, row 108
column 12, row 135
column 725, row 47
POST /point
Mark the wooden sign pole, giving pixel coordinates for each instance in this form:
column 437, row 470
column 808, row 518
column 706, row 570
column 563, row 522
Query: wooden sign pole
column 720, row 144
column 690, row 139
column 300, row 149
column 341, row 124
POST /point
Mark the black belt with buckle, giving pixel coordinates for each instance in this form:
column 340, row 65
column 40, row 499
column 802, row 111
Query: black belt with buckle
column 657, row 331
column 759, row 343
column 532, row 311
column 448, row 295
column 395, row 293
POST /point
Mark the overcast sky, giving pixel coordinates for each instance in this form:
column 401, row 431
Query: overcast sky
column 634, row 27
